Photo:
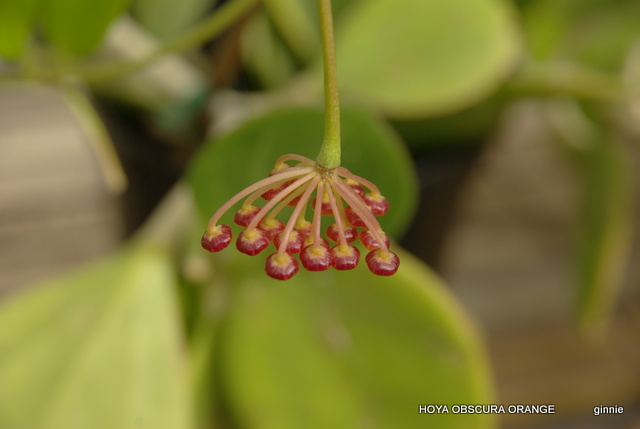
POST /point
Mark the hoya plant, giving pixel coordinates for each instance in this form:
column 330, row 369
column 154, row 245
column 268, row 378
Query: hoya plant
column 164, row 334
column 339, row 193
column 170, row 331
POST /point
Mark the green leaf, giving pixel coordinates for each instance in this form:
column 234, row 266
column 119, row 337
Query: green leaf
column 97, row 349
column 296, row 22
column 573, row 30
column 466, row 128
column 76, row 27
column 605, row 210
column 167, row 19
column 414, row 58
column 348, row 350
column 16, row 18
column 264, row 55
column 297, row 28
column 370, row 149
column 604, row 235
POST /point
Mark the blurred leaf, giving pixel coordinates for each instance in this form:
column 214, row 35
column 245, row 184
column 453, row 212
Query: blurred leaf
column 592, row 32
column 76, row 27
column 604, row 231
column 296, row 22
column 349, row 350
column 466, row 128
column 292, row 28
column 264, row 55
column 226, row 166
column 16, row 18
column 100, row 348
column 167, row 19
column 426, row 57
column 544, row 23
column 605, row 212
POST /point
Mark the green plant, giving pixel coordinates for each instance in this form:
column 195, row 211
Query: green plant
column 289, row 185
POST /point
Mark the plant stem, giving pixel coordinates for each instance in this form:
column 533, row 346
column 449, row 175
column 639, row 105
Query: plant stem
column 211, row 27
column 329, row 156
column 108, row 160
column 568, row 79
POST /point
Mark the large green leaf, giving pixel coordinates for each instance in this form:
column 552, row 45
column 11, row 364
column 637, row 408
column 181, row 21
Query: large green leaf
column 98, row 349
column 414, row 58
column 77, row 27
column 16, row 18
column 226, row 166
column 348, row 350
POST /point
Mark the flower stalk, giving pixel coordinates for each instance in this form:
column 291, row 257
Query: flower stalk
column 292, row 182
column 330, row 152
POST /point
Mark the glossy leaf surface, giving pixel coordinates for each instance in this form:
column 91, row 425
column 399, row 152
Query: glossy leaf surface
column 348, row 350
column 414, row 58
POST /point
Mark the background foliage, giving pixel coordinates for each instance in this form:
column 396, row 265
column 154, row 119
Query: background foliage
column 165, row 336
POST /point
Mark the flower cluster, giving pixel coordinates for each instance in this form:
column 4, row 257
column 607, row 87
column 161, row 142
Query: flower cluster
column 338, row 193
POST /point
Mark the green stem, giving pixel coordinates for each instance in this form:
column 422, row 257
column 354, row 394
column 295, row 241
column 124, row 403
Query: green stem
column 211, row 27
column 329, row 156
column 569, row 79
column 108, row 160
